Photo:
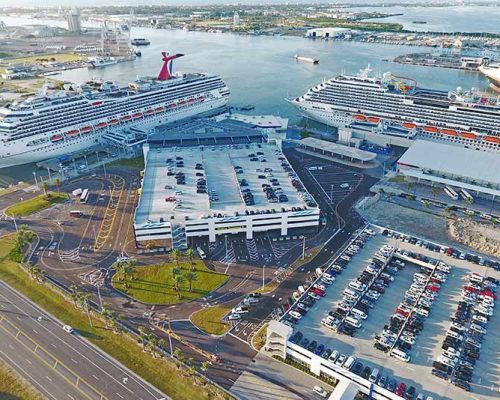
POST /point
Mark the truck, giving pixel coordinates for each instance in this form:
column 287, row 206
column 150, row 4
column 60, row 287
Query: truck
column 77, row 192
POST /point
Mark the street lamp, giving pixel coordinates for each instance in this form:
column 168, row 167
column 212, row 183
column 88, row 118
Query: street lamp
column 36, row 181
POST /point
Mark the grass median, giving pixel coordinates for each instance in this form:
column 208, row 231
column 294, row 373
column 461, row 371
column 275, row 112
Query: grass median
column 155, row 284
column 13, row 386
column 35, row 204
column 160, row 372
column 209, row 320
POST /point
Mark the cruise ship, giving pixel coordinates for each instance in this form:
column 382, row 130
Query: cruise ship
column 55, row 123
column 492, row 72
column 467, row 118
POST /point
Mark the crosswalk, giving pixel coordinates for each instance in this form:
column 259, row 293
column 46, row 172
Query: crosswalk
column 70, row 255
column 229, row 257
column 95, row 277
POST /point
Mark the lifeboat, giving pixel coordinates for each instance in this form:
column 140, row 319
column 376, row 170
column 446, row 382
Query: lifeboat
column 409, row 125
column 126, row 118
column 468, row 135
column 492, row 139
column 359, row 117
column 149, row 112
column 173, row 105
column 72, row 133
column 56, row 138
column 182, row 103
column 373, row 120
column 159, row 109
column 190, row 100
column 202, row 98
column 97, row 103
column 449, row 132
column 113, row 122
column 137, row 115
column 86, row 129
column 430, row 129
column 101, row 125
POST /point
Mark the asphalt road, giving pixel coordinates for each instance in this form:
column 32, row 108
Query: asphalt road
column 63, row 365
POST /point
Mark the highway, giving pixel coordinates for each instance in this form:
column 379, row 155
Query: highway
column 59, row 364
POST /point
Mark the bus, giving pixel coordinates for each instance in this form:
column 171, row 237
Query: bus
column 450, row 192
column 201, row 253
column 466, row 196
column 85, row 196
column 75, row 213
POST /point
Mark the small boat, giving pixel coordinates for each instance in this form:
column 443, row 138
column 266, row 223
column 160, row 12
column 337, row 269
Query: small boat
column 409, row 125
column 137, row 115
column 373, row 120
column 449, row 132
column 56, row 138
column 306, row 59
column 359, row 117
column 86, row 129
column 113, row 121
column 72, row 133
column 491, row 139
column 468, row 135
column 430, row 129
column 140, row 42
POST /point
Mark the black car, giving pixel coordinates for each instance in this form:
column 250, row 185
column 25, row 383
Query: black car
column 392, row 384
column 357, row 368
column 410, row 393
column 461, row 384
column 312, row 345
column 440, row 374
column 297, row 337
column 366, row 372
column 382, row 381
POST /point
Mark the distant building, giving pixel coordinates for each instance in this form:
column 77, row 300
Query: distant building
column 327, row 32
column 236, row 19
column 74, row 21
column 115, row 41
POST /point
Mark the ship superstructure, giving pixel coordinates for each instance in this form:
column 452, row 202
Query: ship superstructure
column 58, row 122
column 468, row 118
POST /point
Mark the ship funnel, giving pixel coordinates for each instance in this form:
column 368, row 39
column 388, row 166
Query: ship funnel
column 166, row 69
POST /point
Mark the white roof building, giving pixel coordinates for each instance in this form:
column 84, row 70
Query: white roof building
column 452, row 165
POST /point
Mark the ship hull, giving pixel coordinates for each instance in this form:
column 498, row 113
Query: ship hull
column 20, row 153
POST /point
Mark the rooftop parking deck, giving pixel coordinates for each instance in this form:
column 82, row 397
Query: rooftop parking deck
column 184, row 183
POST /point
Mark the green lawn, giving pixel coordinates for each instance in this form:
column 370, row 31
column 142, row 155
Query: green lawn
column 209, row 319
column 154, row 284
column 35, row 204
column 13, row 386
column 40, row 58
column 136, row 162
column 161, row 373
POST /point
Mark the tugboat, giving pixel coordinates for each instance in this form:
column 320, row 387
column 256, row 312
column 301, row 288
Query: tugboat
column 140, row 42
column 306, row 59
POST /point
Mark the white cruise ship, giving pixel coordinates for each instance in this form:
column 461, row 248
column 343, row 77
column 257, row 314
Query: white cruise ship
column 470, row 119
column 58, row 122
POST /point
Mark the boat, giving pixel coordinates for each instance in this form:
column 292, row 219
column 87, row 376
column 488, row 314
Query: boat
column 99, row 62
column 101, row 125
column 492, row 72
column 140, row 42
column 373, row 120
column 56, row 138
column 27, row 125
column 400, row 102
column 137, row 115
column 306, row 59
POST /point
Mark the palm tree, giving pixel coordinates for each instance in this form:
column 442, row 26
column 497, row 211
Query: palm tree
column 128, row 270
column 142, row 336
column 191, row 276
column 73, row 292
column 45, row 186
column 85, row 299
column 469, row 200
column 179, row 280
column 175, row 254
column 179, row 357
column 435, row 192
column 175, row 271
column 190, row 253
column 409, row 186
column 160, row 344
column 153, row 343
column 119, row 268
column 191, row 367
column 58, row 184
column 447, row 211
column 106, row 312
column 204, row 367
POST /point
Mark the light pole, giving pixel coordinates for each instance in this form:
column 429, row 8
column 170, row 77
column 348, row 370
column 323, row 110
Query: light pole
column 303, row 247
column 99, row 294
column 331, row 194
column 225, row 238
column 263, row 275
column 36, row 181
column 104, row 167
column 15, row 224
column 50, row 177
column 170, row 338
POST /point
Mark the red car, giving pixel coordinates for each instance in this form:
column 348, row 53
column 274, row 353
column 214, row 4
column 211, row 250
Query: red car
column 488, row 293
column 401, row 389
column 317, row 291
column 471, row 289
column 433, row 288
column 402, row 312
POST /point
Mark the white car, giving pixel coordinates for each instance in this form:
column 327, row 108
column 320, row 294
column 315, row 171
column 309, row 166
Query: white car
column 234, row 316
column 295, row 314
column 478, row 328
column 422, row 312
column 68, row 329
column 320, row 391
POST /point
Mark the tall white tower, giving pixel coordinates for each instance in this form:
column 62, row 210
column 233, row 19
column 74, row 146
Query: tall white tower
column 236, row 19
column 73, row 20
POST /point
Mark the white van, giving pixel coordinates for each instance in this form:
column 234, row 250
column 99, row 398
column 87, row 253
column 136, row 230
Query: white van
column 400, row 355
column 201, row 253
column 353, row 321
column 356, row 285
column 349, row 363
column 351, row 293
column 374, row 375
column 358, row 313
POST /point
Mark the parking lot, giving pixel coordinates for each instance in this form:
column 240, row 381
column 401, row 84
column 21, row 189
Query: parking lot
column 427, row 346
column 334, row 182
